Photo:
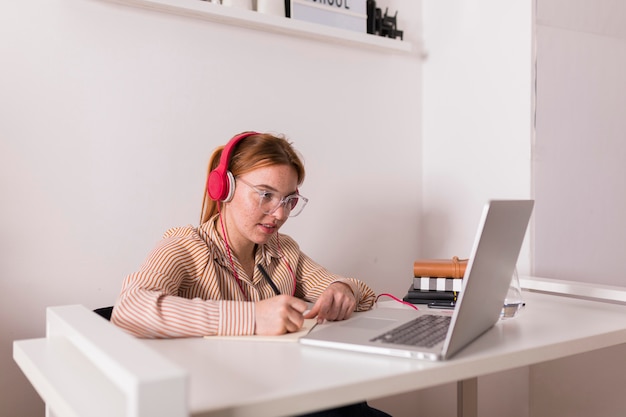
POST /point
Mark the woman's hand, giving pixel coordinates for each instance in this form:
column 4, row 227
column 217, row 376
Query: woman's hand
column 337, row 302
column 279, row 315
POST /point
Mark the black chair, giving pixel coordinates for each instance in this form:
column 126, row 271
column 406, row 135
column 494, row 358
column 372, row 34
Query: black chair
column 104, row 312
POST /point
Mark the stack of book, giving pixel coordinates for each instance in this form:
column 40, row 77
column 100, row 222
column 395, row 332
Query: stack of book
column 436, row 280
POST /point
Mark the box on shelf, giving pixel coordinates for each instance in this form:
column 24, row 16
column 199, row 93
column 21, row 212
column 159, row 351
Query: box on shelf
column 344, row 14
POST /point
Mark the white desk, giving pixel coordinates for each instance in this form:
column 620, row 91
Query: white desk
column 258, row 379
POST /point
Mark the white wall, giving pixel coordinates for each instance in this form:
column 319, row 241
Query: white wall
column 477, row 117
column 476, row 146
column 108, row 115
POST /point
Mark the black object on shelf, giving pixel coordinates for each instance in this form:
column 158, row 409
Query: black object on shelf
column 382, row 25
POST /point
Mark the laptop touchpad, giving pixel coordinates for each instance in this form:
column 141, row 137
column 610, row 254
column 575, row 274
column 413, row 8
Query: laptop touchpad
column 368, row 323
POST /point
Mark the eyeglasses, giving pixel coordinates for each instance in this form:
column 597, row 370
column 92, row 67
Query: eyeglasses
column 269, row 202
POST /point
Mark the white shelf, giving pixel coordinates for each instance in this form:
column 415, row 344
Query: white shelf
column 269, row 23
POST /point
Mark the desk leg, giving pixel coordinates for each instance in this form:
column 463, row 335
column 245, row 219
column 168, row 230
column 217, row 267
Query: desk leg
column 467, row 398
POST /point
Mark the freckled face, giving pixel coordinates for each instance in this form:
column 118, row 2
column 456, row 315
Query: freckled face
column 247, row 224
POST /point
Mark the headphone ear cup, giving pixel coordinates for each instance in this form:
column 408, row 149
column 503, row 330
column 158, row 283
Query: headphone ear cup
column 221, row 182
column 215, row 185
column 221, row 186
column 230, row 187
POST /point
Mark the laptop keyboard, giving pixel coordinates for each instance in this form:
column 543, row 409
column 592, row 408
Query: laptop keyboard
column 424, row 331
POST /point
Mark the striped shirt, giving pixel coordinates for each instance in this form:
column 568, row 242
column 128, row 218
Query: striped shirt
column 186, row 286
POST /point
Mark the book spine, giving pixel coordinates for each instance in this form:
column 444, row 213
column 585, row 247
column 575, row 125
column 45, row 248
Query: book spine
column 424, row 297
column 444, row 268
column 437, row 284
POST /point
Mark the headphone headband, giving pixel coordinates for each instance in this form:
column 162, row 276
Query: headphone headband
column 221, row 183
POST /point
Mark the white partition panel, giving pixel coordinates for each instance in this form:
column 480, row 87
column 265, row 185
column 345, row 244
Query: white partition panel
column 88, row 367
column 579, row 151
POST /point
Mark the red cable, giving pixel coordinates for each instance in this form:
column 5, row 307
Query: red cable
column 396, row 299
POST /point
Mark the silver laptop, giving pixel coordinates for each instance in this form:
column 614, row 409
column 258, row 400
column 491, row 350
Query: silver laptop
column 385, row 330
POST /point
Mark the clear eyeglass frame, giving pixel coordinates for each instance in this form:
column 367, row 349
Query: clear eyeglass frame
column 269, row 202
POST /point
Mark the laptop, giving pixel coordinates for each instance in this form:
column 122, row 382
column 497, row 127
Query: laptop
column 385, row 330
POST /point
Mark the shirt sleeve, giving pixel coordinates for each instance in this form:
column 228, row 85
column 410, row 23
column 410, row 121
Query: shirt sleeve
column 149, row 305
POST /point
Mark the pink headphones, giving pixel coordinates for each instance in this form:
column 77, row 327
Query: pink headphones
column 221, row 187
column 221, row 182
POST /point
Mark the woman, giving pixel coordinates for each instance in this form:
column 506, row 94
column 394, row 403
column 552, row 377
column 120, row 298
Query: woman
column 235, row 274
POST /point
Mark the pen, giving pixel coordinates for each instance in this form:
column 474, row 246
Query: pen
column 268, row 279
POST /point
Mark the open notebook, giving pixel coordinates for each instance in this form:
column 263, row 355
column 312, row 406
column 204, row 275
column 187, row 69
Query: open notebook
column 288, row 337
